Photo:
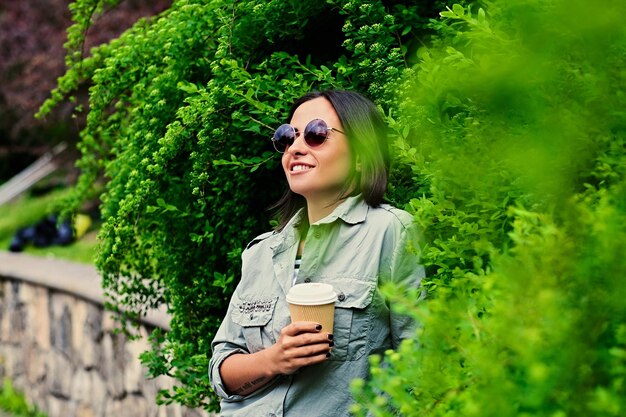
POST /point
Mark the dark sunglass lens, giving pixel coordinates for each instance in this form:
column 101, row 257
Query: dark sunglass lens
column 284, row 136
column 316, row 132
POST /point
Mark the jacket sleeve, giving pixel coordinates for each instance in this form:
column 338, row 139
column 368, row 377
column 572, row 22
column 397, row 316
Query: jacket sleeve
column 228, row 340
column 405, row 271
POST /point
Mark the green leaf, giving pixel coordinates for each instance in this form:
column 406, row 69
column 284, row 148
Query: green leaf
column 458, row 9
column 481, row 15
column 187, row 87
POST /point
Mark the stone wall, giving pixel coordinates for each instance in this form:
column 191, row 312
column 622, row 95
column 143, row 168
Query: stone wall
column 61, row 350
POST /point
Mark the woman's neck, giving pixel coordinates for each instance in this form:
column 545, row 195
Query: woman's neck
column 318, row 210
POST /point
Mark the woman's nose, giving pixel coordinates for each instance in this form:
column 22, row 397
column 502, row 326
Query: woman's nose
column 298, row 146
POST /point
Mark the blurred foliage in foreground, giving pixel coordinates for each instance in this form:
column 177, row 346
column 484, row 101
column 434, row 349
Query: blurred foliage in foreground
column 517, row 122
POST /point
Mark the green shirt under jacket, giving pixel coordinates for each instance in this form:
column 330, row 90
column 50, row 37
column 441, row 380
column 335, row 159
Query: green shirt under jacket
column 355, row 249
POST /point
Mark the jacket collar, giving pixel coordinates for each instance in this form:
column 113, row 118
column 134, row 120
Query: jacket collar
column 352, row 210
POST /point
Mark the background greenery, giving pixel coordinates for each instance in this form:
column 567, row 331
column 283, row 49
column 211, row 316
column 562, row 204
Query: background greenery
column 509, row 150
column 31, row 208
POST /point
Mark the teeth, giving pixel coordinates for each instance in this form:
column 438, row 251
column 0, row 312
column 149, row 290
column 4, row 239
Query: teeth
column 300, row 167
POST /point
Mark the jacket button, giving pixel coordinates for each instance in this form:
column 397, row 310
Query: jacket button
column 317, row 234
column 341, row 297
column 307, row 280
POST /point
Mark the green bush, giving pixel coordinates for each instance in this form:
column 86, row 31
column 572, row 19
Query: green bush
column 515, row 129
column 180, row 114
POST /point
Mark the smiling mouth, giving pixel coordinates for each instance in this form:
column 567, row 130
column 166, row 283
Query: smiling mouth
column 297, row 168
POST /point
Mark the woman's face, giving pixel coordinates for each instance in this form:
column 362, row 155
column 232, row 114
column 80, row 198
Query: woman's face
column 318, row 174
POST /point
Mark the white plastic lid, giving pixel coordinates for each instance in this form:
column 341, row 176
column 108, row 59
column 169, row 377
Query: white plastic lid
column 314, row 293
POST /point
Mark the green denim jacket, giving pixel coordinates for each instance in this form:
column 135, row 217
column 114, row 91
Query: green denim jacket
column 355, row 249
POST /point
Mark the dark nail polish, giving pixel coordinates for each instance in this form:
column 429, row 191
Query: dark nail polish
column 330, row 336
column 318, row 327
column 331, row 344
column 328, row 355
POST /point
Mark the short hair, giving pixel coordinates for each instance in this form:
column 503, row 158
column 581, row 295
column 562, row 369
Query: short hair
column 366, row 132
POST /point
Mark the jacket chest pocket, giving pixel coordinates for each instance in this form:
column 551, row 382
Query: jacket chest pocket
column 253, row 316
column 353, row 318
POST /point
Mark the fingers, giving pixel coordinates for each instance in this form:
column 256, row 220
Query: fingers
column 296, row 358
column 301, row 334
column 297, row 363
column 301, row 344
column 309, row 349
column 298, row 327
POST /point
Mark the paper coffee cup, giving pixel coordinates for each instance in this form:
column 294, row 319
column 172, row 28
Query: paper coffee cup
column 313, row 302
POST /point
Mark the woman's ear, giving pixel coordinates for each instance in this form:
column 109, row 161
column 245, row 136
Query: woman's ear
column 357, row 164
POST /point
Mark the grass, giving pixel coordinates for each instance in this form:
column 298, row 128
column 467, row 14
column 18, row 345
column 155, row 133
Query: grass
column 28, row 210
column 14, row 402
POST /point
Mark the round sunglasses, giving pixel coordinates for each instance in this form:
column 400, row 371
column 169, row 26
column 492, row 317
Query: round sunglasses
column 315, row 134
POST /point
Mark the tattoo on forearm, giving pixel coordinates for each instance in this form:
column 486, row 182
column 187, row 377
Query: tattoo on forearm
column 249, row 385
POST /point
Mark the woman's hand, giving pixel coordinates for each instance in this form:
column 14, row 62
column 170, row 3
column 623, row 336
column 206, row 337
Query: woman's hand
column 299, row 344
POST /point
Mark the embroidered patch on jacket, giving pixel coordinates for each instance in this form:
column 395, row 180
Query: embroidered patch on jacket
column 256, row 306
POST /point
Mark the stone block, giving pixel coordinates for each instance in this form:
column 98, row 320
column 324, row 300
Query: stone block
column 173, row 410
column 35, row 363
column 14, row 364
column 84, row 410
column 135, row 373
column 92, row 329
column 25, row 293
column 39, row 319
column 36, row 394
column 81, row 386
column 59, row 407
column 193, row 412
column 86, row 333
column 59, row 375
column 109, row 323
column 3, row 359
column 98, row 394
column 131, row 405
column 61, row 307
column 4, row 299
column 14, row 314
column 113, row 363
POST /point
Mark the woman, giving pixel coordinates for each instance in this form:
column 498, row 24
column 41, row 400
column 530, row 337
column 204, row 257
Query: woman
column 334, row 230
